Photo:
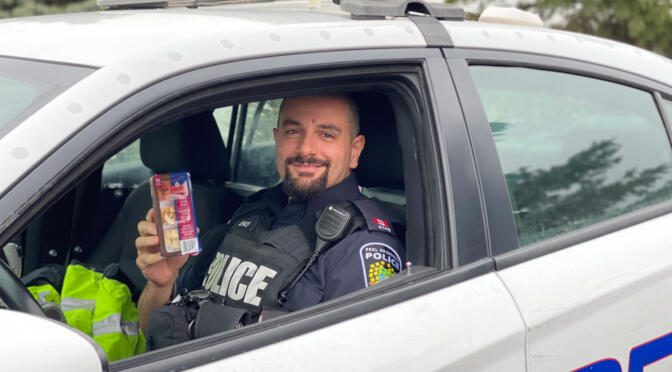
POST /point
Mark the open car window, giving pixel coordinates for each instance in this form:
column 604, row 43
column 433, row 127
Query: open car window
column 107, row 205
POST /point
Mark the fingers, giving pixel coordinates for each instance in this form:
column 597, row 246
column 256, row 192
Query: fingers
column 148, row 243
column 146, row 228
column 147, row 259
column 150, row 215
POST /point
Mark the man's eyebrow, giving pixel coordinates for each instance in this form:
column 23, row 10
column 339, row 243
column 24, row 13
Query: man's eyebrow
column 333, row 127
column 287, row 122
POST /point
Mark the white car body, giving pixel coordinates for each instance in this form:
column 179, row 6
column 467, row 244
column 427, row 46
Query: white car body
column 597, row 299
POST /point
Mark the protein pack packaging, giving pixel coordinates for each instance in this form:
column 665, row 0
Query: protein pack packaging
column 174, row 214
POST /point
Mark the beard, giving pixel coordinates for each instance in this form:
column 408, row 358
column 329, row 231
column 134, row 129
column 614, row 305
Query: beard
column 296, row 189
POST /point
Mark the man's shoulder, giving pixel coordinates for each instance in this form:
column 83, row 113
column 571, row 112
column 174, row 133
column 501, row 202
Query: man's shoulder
column 379, row 216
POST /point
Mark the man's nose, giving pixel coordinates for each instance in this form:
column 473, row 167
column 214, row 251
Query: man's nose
column 307, row 146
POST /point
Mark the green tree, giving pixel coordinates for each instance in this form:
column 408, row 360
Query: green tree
column 22, row 8
column 644, row 23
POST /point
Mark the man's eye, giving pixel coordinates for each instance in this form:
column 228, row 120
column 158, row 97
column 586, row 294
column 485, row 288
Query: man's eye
column 328, row 135
column 291, row 131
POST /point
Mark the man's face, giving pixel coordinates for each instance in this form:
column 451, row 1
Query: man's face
column 315, row 147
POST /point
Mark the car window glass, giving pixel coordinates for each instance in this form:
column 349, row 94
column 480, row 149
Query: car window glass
column 125, row 168
column 256, row 162
column 668, row 108
column 26, row 86
column 575, row 151
column 223, row 118
column 15, row 96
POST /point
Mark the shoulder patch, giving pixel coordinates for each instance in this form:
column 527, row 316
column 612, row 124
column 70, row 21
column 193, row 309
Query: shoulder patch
column 379, row 262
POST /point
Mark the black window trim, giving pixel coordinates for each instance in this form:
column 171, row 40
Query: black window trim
column 662, row 109
column 468, row 237
column 484, row 147
column 499, row 221
column 107, row 134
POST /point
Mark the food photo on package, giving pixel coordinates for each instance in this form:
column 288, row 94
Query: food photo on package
column 174, row 214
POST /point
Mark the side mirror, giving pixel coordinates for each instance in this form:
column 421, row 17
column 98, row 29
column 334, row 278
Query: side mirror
column 32, row 343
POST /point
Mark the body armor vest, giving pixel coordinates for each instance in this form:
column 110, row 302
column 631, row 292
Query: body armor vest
column 255, row 263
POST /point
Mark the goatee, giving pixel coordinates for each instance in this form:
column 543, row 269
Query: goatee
column 295, row 189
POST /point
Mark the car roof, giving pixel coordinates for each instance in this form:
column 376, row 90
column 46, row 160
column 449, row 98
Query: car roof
column 237, row 31
column 231, row 32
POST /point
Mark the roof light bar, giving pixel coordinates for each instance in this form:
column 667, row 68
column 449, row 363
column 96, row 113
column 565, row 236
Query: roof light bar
column 371, row 9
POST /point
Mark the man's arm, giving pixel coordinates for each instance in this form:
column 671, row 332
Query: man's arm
column 152, row 298
column 160, row 272
column 363, row 260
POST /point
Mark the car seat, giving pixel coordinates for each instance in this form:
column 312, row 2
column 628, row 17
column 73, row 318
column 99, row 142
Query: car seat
column 380, row 171
column 191, row 144
column 384, row 176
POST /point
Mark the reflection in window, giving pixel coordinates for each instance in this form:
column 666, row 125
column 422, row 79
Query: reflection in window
column 575, row 151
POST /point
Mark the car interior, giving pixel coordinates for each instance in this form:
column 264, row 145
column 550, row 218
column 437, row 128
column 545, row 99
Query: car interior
column 96, row 222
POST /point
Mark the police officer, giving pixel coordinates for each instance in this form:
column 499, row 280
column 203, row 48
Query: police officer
column 317, row 146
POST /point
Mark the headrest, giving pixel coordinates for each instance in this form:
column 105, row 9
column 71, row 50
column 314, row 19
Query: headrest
column 380, row 164
column 191, row 144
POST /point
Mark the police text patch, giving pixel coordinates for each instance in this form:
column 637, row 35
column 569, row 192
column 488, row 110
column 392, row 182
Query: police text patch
column 379, row 262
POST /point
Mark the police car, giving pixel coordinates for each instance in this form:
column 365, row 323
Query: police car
column 532, row 169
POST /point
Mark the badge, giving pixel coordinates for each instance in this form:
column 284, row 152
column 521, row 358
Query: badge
column 379, row 262
column 246, row 224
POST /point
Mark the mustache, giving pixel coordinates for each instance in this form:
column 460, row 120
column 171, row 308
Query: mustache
column 309, row 161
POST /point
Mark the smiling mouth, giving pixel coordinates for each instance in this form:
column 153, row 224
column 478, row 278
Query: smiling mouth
column 306, row 165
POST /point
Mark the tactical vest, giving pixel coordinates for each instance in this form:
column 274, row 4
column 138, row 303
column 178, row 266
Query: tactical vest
column 255, row 263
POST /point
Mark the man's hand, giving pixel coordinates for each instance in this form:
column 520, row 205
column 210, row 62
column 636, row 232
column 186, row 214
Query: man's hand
column 158, row 270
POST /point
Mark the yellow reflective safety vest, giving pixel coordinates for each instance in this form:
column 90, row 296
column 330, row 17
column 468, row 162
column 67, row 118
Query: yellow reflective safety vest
column 100, row 307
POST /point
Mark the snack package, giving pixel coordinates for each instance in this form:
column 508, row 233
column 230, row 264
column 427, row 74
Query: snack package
column 174, row 214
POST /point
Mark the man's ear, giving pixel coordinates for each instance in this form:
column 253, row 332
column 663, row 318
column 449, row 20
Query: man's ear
column 275, row 134
column 356, row 150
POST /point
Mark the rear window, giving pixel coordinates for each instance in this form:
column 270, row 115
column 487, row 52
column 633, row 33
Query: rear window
column 25, row 86
column 575, row 150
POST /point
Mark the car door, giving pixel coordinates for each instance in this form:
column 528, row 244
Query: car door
column 450, row 310
column 584, row 157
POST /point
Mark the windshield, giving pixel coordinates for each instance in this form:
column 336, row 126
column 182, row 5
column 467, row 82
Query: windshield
column 25, row 86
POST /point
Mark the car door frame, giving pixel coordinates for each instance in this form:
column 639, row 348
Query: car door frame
column 452, row 209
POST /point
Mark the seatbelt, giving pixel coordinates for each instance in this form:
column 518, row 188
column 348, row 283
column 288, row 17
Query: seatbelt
column 332, row 225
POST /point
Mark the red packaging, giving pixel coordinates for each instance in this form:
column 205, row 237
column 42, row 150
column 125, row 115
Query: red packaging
column 174, row 214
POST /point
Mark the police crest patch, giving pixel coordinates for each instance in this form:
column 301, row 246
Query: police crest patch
column 379, row 262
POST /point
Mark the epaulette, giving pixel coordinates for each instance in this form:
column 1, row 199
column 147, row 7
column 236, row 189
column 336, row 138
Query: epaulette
column 376, row 217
